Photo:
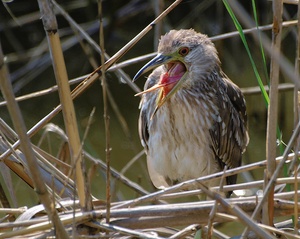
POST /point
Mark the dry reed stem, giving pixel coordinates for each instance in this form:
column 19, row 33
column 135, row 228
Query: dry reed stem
column 296, row 147
column 180, row 214
column 214, row 209
column 297, row 70
column 33, row 166
column 283, row 87
column 158, row 29
column 13, row 162
column 291, row 1
column 13, row 210
column 137, row 188
column 46, row 225
column 106, row 115
column 69, row 115
column 125, row 231
column 296, row 228
column 186, row 231
column 271, row 137
column 295, row 162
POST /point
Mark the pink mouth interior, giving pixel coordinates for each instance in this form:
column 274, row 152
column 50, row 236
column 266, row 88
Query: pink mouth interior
column 169, row 79
column 175, row 71
column 176, row 68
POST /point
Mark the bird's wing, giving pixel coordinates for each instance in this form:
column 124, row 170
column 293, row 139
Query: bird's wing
column 147, row 106
column 143, row 126
column 229, row 132
column 146, row 103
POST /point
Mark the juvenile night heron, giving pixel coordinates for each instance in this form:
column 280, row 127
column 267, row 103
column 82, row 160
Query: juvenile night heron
column 193, row 118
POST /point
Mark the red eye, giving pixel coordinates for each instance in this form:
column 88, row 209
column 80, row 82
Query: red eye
column 184, row 51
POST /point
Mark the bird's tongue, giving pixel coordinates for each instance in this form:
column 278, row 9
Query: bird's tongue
column 172, row 76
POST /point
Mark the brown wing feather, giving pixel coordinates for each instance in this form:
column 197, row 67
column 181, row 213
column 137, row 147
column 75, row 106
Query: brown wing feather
column 229, row 133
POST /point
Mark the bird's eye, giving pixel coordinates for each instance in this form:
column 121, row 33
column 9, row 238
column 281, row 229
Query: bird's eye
column 184, row 51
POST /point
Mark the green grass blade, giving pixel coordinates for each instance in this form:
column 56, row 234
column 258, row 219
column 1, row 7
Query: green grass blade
column 243, row 38
column 260, row 43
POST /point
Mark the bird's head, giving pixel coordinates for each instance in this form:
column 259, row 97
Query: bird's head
column 187, row 56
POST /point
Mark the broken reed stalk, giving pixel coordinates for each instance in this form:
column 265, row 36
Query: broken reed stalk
column 183, row 233
column 106, row 115
column 296, row 158
column 69, row 115
column 271, row 137
column 296, row 119
column 297, row 70
column 214, row 209
column 18, row 121
column 158, row 30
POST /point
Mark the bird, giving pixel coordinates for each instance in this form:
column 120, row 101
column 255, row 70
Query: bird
column 193, row 119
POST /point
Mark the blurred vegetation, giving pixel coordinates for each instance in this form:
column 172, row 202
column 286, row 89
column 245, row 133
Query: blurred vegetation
column 25, row 45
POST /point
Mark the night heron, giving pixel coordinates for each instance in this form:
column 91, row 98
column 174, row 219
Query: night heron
column 193, row 118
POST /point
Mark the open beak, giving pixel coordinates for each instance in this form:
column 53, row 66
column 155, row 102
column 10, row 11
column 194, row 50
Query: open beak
column 169, row 81
column 155, row 62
